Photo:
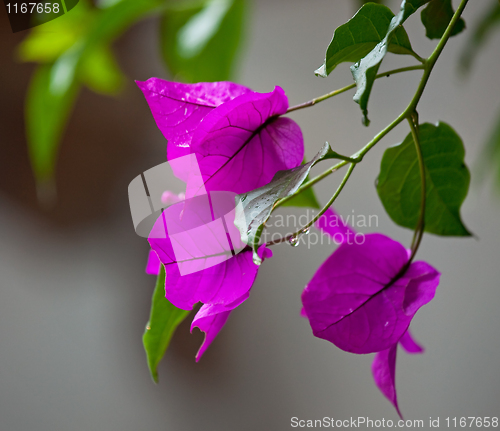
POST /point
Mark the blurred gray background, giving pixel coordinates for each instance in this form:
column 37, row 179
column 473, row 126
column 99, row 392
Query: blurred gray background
column 74, row 298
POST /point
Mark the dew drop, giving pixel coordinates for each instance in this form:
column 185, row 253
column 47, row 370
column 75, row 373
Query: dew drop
column 293, row 241
column 148, row 328
column 305, row 231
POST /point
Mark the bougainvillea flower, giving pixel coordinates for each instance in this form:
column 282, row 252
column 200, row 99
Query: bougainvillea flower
column 240, row 141
column 211, row 318
column 353, row 301
column 179, row 108
column 244, row 142
column 356, row 302
column 153, row 264
column 384, row 367
column 333, row 225
column 237, row 134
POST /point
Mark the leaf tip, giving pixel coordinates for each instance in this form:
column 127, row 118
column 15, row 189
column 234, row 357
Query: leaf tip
column 364, row 119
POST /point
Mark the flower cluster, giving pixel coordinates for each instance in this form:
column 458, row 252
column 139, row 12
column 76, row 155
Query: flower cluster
column 240, row 141
column 359, row 299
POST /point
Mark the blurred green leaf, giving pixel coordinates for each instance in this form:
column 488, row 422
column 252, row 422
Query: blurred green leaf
column 101, row 73
column 486, row 25
column 47, row 42
column 199, row 42
column 50, row 98
column 358, row 36
column 163, row 321
column 490, row 155
column 447, row 181
column 436, row 16
column 75, row 48
column 365, row 70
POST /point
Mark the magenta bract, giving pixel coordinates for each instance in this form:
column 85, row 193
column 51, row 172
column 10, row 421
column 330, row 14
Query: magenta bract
column 179, row 108
column 351, row 302
column 239, row 142
column 244, row 142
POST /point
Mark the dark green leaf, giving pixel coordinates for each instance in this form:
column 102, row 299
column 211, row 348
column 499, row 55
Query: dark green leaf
column 358, row 36
column 485, row 27
column 200, row 42
column 49, row 102
column 447, row 179
column 254, row 208
column 163, row 321
column 365, row 70
column 436, row 17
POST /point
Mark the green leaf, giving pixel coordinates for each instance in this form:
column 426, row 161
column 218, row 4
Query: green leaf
column 365, row 70
column 163, row 321
column 46, row 43
column 200, row 42
column 101, row 73
column 447, row 181
column 306, row 199
column 254, row 208
column 81, row 55
column 436, row 17
column 358, row 36
column 483, row 30
column 50, row 98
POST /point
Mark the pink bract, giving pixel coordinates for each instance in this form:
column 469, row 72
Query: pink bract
column 179, row 108
column 353, row 302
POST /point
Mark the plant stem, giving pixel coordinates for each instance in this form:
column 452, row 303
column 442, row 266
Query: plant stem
column 419, row 229
column 323, row 210
column 351, row 86
column 431, row 60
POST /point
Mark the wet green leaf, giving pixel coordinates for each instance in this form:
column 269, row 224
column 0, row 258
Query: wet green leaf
column 163, row 321
column 447, row 181
column 254, row 208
